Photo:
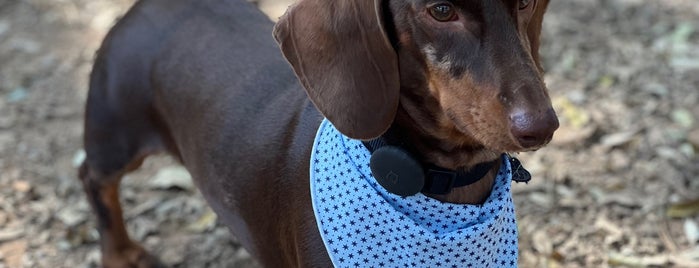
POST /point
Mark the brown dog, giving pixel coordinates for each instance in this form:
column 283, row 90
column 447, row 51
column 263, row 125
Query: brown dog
column 204, row 81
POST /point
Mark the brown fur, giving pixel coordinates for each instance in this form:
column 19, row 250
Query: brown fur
column 204, row 81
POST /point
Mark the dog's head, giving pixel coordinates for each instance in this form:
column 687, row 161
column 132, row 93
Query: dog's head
column 461, row 70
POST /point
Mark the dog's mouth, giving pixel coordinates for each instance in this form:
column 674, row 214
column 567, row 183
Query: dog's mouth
column 489, row 136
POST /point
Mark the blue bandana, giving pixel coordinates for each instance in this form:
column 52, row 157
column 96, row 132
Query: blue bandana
column 363, row 225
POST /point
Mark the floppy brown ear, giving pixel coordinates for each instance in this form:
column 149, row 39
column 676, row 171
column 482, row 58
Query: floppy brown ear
column 340, row 52
column 534, row 30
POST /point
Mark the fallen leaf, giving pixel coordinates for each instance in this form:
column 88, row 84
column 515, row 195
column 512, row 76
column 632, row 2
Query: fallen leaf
column 71, row 216
column 684, row 209
column 684, row 63
column 21, row 186
column 204, row 223
column 10, row 234
column 688, row 150
column 141, row 227
column 273, row 9
column 682, row 33
column 619, row 138
column 541, row 199
column 691, row 255
column 13, row 252
column 144, row 207
column 618, row 259
column 571, row 114
column 567, row 135
column 682, row 117
column 606, row 81
column 542, row 242
column 172, row 177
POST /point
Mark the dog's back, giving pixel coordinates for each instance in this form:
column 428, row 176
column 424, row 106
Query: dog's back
column 207, row 55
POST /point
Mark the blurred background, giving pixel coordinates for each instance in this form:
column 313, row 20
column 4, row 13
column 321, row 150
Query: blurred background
column 619, row 185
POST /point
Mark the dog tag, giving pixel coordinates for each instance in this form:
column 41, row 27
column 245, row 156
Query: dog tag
column 397, row 171
column 519, row 174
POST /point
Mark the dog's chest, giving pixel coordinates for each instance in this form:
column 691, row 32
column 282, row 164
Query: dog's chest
column 362, row 225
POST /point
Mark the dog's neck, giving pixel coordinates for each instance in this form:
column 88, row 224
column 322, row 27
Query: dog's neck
column 448, row 152
column 473, row 194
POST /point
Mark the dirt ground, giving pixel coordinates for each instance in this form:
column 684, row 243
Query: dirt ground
column 618, row 186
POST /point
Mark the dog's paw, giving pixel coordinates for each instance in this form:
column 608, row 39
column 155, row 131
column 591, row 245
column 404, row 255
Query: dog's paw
column 133, row 256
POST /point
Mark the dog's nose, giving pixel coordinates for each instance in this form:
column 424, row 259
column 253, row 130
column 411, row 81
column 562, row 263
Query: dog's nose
column 533, row 129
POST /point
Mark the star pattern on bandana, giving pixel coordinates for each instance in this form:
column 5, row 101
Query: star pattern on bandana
column 363, row 225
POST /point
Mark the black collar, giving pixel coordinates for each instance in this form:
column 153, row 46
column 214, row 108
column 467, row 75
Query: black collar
column 402, row 174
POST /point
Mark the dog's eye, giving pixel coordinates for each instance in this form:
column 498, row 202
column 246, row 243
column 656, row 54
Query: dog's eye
column 443, row 12
column 524, row 4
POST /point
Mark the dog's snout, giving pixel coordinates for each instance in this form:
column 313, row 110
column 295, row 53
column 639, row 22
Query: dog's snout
column 533, row 129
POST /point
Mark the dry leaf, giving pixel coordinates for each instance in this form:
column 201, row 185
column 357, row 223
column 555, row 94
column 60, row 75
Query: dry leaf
column 684, row 209
column 571, row 114
column 71, row 216
column 205, row 222
column 619, row 138
column 617, row 259
column 172, row 177
column 683, row 118
column 13, row 252
column 21, row 186
column 10, row 234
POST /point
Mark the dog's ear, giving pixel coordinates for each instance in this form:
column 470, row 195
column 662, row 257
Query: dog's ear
column 534, row 30
column 340, row 52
